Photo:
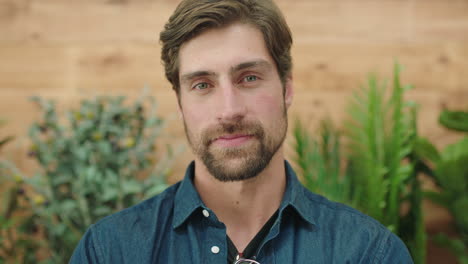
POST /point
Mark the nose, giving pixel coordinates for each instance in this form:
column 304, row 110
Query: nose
column 232, row 106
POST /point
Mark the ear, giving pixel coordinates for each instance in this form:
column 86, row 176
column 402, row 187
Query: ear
column 288, row 91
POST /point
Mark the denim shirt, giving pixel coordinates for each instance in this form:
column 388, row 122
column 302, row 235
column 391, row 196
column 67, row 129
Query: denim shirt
column 176, row 227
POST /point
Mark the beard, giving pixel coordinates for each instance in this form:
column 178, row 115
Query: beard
column 238, row 163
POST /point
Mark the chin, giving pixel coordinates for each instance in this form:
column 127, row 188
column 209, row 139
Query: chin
column 236, row 169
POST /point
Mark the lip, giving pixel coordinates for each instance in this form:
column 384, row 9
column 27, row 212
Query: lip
column 232, row 140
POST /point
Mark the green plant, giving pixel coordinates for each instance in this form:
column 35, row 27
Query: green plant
column 17, row 226
column 15, row 218
column 319, row 161
column 5, row 140
column 381, row 134
column 380, row 171
column 412, row 228
column 456, row 120
column 449, row 170
column 101, row 161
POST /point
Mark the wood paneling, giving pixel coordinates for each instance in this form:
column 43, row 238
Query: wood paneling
column 69, row 49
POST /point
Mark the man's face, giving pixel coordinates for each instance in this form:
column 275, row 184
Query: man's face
column 232, row 101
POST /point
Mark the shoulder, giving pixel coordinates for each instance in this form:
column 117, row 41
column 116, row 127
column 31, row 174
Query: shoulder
column 326, row 212
column 354, row 231
column 127, row 231
column 140, row 215
column 144, row 219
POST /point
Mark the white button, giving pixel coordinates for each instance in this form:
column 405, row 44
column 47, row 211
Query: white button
column 206, row 213
column 215, row 249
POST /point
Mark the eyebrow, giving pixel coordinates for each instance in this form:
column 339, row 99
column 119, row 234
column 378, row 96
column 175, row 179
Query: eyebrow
column 189, row 76
column 251, row 64
column 245, row 65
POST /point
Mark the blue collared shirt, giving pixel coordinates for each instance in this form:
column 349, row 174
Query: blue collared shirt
column 176, row 227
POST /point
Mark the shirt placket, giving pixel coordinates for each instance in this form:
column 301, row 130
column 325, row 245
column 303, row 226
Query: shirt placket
column 264, row 253
column 215, row 247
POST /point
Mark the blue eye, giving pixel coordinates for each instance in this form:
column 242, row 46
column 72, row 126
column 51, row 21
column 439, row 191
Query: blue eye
column 250, row 78
column 201, row 86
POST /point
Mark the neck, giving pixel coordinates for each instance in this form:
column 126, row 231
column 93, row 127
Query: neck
column 243, row 206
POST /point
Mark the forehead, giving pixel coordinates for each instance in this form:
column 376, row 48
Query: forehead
column 220, row 49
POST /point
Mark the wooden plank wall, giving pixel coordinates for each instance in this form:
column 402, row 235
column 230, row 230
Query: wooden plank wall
column 66, row 50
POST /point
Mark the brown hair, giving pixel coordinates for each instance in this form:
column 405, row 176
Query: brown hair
column 192, row 17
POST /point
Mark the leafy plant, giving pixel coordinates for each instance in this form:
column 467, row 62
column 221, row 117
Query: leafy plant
column 319, row 161
column 449, row 170
column 456, row 120
column 381, row 172
column 412, row 228
column 15, row 219
column 101, row 161
column 5, row 140
column 16, row 225
column 381, row 134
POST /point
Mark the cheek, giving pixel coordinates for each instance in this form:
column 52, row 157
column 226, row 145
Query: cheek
column 193, row 121
column 269, row 105
column 191, row 118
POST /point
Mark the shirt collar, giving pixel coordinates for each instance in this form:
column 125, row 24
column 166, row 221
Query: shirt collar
column 187, row 199
column 295, row 196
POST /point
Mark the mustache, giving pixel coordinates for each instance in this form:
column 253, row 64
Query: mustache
column 251, row 128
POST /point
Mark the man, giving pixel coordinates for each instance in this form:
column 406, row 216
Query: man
column 229, row 63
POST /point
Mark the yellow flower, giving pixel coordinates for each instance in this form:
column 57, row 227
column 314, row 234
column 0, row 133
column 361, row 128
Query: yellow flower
column 150, row 160
column 18, row 178
column 38, row 199
column 78, row 115
column 167, row 171
column 128, row 142
column 97, row 135
column 34, row 147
